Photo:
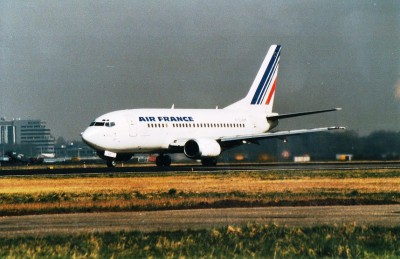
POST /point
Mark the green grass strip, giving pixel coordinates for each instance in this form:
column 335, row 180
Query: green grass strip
column 253, row 240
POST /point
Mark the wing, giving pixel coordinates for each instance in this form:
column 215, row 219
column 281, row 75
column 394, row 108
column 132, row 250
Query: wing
column 179, row 143
column 279, row 134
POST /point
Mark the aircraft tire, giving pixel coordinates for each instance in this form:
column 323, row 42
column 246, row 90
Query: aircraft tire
column 167, row 160
column 163, row 160
column 209, row 161
column 111, row 163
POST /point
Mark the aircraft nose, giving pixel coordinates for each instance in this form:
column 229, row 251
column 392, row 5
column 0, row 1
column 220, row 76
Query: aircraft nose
column 88, row 137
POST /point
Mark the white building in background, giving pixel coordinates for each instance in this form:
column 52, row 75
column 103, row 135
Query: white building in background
column 302, row 159
column 7, row 134
column 32, row 133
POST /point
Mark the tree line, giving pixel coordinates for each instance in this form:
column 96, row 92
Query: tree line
column 379, row 145
column 323, row 146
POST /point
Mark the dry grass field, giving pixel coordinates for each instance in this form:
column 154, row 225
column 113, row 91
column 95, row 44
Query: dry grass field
column 25, row 195
column 196, row 183
column 124, row 192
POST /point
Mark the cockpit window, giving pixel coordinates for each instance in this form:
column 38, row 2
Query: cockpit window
column 102, row 123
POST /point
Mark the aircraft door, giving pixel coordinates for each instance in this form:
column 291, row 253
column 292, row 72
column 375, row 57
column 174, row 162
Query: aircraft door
column 132, row 128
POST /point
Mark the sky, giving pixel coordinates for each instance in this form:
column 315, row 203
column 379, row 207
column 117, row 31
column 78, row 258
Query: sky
column 68, row 62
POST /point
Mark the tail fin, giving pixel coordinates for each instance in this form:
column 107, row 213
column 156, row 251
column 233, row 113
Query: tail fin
column 262, row 91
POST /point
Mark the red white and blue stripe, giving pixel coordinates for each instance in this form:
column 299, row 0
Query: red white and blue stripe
column 266, row 87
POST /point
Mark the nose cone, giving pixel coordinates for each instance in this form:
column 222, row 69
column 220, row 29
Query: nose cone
column 89, row 137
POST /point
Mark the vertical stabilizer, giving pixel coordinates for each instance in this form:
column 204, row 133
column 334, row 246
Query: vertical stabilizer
column 261, row 94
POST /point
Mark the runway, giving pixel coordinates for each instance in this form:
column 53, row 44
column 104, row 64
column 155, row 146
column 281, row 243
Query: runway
column 60, row 224
column 149, row 168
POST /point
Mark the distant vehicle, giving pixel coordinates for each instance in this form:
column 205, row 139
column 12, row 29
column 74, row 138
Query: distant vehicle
column 198, row 133
column 14, row 158
column 4, row 159
column 47, row 155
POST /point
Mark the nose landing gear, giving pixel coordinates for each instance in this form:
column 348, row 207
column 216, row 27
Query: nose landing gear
column 111, row 163
column 163, row 160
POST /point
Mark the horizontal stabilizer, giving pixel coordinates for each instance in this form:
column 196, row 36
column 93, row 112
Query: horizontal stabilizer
column 297, row 114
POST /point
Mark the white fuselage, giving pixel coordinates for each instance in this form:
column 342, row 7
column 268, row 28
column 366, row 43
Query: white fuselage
column 154, row 130
column 198, row 133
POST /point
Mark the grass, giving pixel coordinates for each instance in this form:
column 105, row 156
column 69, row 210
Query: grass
column 294, row 181
column 127, row 192
column 252, row 240
column 25, row 204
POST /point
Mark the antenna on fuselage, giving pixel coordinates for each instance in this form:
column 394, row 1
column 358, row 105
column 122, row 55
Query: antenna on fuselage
column 173, row 106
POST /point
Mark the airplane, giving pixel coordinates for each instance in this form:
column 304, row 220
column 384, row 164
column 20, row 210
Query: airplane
column 198, row 133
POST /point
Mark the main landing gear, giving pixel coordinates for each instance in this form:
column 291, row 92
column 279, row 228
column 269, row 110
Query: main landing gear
column 163, row 160
column 209, row 161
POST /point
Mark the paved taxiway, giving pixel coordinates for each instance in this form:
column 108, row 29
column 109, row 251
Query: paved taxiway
column 149, row 168
column 384, row 215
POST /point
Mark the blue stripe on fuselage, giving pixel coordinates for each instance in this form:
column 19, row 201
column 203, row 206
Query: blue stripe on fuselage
column 268, row 73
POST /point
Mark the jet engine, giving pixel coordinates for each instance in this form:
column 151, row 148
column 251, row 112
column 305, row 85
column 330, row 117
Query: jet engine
column 198, row 148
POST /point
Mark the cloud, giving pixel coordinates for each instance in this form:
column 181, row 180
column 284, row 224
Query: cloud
column 59, row 58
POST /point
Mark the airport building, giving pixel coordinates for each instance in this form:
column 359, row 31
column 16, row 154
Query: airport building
column 32, row 133
column 7, row 134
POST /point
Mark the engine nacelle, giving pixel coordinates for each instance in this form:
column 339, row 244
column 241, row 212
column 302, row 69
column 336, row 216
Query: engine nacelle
column 198, row 148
